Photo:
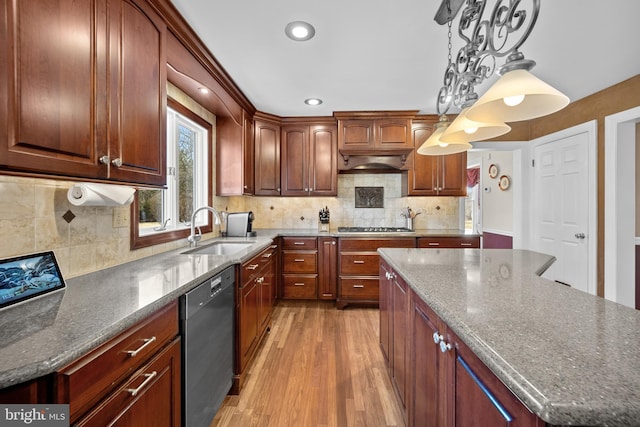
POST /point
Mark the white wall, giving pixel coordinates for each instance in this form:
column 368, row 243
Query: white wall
column 497, row 205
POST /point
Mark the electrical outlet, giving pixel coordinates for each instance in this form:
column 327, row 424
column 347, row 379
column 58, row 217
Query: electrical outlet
column 120, row 218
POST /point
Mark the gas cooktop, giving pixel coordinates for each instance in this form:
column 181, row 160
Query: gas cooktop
column 373, row 230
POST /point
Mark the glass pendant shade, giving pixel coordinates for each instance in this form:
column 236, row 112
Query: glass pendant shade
column 465, row 130
column 517, row 95
column 433, row 146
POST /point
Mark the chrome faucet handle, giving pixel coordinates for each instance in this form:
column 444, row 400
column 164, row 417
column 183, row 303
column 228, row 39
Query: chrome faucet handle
column 194, row 238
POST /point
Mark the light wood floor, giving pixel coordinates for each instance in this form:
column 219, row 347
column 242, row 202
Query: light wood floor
column 318, row 367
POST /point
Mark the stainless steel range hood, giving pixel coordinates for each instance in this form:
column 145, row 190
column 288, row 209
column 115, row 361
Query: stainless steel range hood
column 373, row 162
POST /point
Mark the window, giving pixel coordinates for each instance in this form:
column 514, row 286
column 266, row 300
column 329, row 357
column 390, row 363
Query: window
column 160, row 216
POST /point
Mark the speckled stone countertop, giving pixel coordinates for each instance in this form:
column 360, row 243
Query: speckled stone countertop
column 42, row 335
column 570, row 357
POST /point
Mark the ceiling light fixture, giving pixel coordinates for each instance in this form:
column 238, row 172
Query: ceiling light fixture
column 203, row 90
column 299, row 31
column 434, row 146
column 313, row 101
column 517, row 95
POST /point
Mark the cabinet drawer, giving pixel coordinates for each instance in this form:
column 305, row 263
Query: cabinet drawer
column 90, row 378
column 359, row 264
column 372, row 245
column 299, row 286
column 299, row 262
column 365, row 288
column 299, row 243
column 156, row 386
column 252, row 267
column 449, row 242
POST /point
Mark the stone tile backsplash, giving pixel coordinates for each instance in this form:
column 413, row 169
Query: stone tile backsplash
column 32, row 210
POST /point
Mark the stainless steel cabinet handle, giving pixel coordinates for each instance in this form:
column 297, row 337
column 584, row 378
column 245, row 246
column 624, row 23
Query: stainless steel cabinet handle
column 147, row 341
column 298, row 243
column 252, row 266
column 580, row 236
column 117, row 162
column 465, row 244
column 267, row 255
column 298, row 260
column 434, row 244
column 357, row 261
column 149, row 377
column 298, row 284
column 358, row 286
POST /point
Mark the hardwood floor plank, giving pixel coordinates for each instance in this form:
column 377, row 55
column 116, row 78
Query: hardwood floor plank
column 318, row 366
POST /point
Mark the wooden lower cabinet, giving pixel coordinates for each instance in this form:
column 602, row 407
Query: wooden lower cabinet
column 358, row 280
column 255, row 300
column 438, row 380
column 299, row 268
column 146, row 357
column 150, row 398
column 327, row 267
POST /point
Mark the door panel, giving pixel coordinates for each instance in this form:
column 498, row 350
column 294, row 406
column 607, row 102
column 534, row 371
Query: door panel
column 561, row 208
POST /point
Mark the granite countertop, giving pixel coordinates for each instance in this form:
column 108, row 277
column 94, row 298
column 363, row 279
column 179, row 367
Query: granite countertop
column 39, row 336
column 570, row 357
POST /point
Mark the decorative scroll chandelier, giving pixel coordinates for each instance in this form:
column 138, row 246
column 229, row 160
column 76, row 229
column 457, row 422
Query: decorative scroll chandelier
column 517, row 95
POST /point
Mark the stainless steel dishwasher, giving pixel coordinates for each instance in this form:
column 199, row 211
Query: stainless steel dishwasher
column 206, row 322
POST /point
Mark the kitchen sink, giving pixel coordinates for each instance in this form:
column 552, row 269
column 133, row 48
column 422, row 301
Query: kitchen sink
column 219, row 248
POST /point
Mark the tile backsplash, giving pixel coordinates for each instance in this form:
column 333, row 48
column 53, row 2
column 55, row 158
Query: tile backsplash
column 33, row 210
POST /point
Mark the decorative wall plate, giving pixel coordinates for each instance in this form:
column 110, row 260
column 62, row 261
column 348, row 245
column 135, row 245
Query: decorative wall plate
column 493, row 171
column 504, row 182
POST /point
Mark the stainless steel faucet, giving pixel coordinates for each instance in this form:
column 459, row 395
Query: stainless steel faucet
column 194, row 238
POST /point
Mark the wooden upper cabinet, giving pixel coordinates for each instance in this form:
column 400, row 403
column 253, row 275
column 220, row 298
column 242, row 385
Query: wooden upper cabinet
column 234, row 156
column 91, row 85
column 371, row 132
column 309, row 160
column 138, row 99
column 435, row 175
column 267, row 157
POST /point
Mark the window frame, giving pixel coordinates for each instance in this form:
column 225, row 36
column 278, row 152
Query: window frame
column 138, row 241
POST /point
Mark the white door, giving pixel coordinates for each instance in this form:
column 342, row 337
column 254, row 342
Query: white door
column 562, row 205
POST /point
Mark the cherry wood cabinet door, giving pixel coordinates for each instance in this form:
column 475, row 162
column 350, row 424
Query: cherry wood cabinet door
column 327, row 268
column 428, row 401
column 453, row 175
column 323, row 162
column 137, row 81
column 355, row 134
column 384, row 304
column 399, row 336
column 423, row 180
column 248, row 328
column 157, row 401
column 295, row 160
column 392, row 134
column 248, row 155
column 267, row 158
column 480, row 395
column 52, row 109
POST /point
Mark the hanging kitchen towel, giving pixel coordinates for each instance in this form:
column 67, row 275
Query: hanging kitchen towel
column 91, row 194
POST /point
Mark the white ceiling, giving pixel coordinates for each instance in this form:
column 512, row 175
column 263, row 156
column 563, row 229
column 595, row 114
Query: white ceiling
column 391, row 55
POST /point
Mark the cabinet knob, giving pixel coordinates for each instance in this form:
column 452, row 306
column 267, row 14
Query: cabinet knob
column 117, row 162
column 104, row 160
column 444, row 347
column 437, row 337
column 333, row 243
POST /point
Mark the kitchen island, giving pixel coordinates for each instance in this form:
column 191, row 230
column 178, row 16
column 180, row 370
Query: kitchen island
column 570, row 357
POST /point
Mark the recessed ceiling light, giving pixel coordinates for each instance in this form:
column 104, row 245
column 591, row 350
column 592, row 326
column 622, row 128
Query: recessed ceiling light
column 313, row 101
column 203, row 90
column 299, row 31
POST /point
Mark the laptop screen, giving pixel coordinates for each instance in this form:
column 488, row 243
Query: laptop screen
column 28, row 276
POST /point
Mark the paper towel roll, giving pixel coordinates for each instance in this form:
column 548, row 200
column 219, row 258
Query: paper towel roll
column 91, row 194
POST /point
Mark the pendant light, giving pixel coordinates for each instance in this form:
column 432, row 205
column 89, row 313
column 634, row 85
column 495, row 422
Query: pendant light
column 434, row 146
column 517, row 95
column 465, row 130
